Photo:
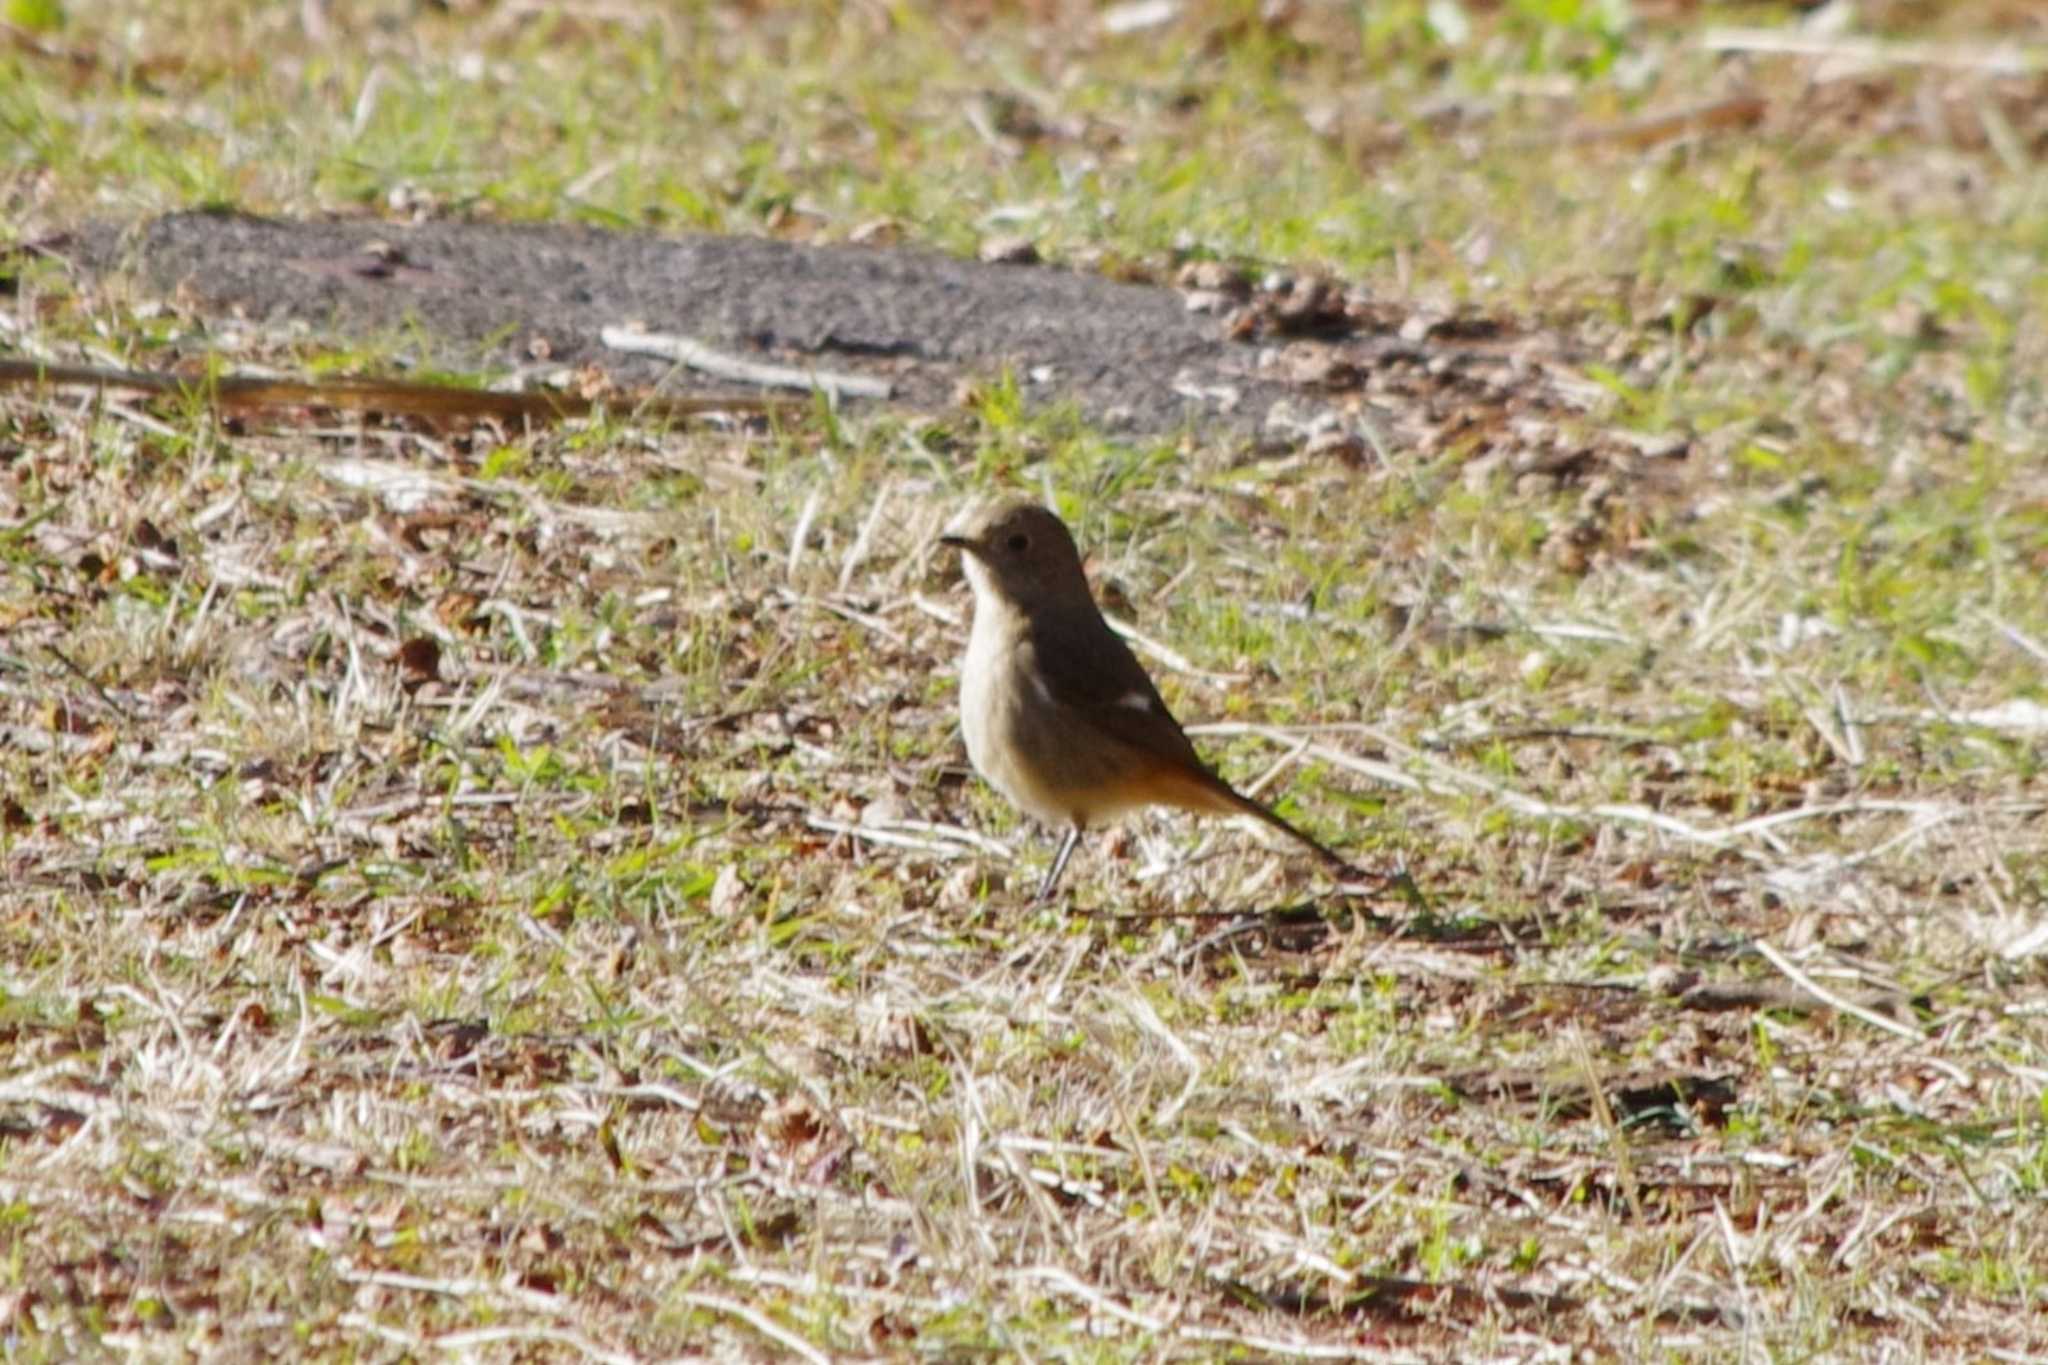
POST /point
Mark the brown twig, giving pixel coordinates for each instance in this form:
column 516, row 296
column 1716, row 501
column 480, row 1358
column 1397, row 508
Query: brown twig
column 370, row 395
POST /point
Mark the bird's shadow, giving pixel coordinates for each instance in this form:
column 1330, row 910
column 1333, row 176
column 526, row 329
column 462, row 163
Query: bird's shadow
column 1305, row 926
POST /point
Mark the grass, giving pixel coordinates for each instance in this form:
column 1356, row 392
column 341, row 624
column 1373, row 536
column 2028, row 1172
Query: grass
column 647, row 975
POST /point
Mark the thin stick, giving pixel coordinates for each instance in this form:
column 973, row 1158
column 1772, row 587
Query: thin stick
column 2001, row 61
column 1830, row 999
column 90, row 681
column 782, row 1336
column 366, row 395
column 1166, row 654
column 696, row 355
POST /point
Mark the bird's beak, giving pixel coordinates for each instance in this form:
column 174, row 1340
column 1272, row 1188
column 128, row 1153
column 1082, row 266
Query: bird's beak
column 961, row 543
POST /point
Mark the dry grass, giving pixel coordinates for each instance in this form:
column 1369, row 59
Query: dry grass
column 488, row 891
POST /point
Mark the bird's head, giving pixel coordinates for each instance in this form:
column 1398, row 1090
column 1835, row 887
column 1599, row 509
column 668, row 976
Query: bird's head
column 1018, row 552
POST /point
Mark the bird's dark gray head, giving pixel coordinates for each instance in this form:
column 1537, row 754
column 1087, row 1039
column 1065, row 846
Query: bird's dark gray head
column 1020, row 552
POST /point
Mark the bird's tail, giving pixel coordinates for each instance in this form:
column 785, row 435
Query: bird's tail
column 1336, row 861
column 1219, row 796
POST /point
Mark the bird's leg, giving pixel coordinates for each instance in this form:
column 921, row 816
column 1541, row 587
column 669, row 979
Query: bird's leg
column 1059, row 865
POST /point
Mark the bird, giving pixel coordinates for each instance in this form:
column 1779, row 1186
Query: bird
column 1059, row 716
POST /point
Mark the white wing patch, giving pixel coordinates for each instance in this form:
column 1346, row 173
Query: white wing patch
column 1138, row 701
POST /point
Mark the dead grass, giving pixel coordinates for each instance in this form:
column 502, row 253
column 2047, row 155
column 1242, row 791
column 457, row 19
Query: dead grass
column 473, row 890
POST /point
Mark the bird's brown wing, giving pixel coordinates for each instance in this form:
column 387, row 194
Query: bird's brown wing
column 1088, row 671
column 1092, row 676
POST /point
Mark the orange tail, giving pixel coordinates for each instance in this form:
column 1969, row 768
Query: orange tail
column 1209, row 793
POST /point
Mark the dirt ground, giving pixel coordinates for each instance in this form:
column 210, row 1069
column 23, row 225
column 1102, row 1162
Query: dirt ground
column 1282, row 362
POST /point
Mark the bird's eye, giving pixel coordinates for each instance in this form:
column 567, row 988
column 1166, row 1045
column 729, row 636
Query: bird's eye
column 1019, row 543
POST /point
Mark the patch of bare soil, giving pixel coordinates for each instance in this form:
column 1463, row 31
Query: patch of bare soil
column 1277, row 361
